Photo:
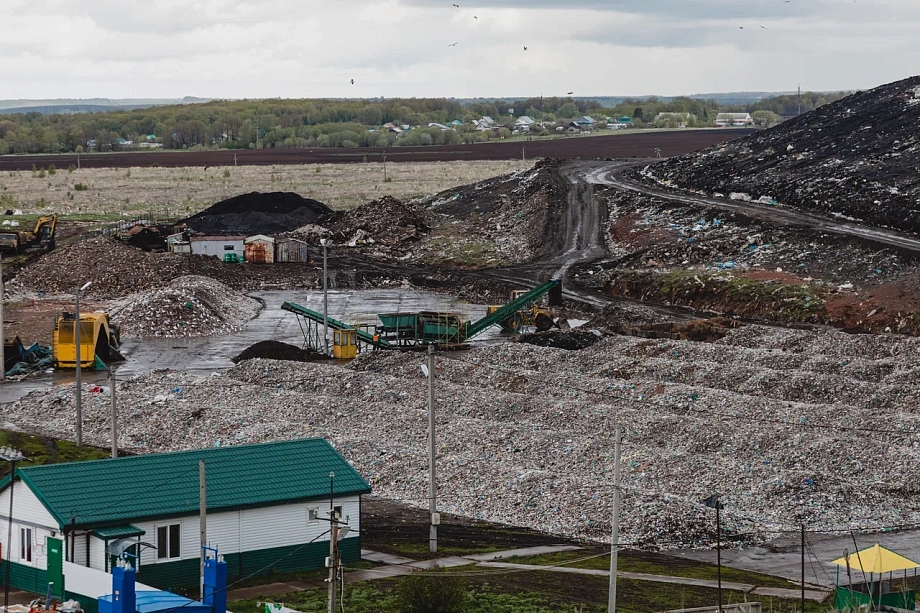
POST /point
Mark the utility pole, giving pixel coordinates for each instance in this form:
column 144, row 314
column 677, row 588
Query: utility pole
column 798, row 102
column 3, row 360
column 432, row 477
column 615, row 538
column 384, row 164
column 333, row 548
column 114, row 413
column 12, row 456
column 202, row 520
column 803, row 568
column 77, row 329
column 325, row 301
column 719, row 553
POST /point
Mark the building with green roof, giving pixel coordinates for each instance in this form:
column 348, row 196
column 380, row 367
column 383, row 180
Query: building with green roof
column 266, row 509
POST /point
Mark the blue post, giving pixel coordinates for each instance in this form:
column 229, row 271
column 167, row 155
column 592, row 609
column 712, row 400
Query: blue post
column 215, row 585
column 123, row 590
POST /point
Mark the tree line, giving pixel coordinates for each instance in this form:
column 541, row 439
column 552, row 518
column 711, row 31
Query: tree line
column 249, row 124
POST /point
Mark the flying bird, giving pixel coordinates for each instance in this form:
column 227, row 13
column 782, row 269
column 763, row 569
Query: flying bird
column 352, row 81
column 457, row 5
column 452, row 45
column 525, row 48
column 570, row 93
column 764, row 28
column 475, row 17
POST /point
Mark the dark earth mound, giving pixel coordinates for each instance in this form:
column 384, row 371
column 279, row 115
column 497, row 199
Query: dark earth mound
column 855, row 158
column 258, row 213
column 561, row 339
column 275, row 350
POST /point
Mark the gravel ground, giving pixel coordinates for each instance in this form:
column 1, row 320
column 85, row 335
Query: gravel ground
column 525, row 433
column 188, row 306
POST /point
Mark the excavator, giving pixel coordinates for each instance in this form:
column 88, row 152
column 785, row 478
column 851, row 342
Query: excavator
column 42, row 237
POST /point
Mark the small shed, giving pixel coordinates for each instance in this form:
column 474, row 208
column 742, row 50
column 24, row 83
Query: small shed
column 871, row 589
column 227, row 248
column 260, row 249
column 177, row 243
column 291, row 250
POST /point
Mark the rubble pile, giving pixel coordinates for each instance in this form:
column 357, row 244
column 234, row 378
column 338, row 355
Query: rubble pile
column 258, row 213
column 385, row 222
column 276, row 350
column 811, row 426
column 189, row 306
column 113, row 268
column 511, row 218
column 854, row 158
column 574, row 340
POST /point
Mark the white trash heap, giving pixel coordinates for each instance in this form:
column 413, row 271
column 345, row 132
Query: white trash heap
column 765, row 417
column 189, row 306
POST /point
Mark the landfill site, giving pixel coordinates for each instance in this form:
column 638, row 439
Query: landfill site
column 748, row 314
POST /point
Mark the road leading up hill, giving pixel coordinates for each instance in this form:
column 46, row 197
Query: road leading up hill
column 856, row 158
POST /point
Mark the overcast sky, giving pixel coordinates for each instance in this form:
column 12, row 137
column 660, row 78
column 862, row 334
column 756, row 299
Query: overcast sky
column 313, row 48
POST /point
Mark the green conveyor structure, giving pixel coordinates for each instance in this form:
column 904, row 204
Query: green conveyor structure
column 430, row 327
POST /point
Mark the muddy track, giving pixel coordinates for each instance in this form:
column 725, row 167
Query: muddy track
column 612, row 174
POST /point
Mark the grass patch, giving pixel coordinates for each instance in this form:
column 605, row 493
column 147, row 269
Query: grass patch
column 45, row 450
column 495, row 591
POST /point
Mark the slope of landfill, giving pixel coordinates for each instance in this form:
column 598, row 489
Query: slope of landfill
column 258, row 213
column 804, row 426
column 189, row 306
column 730, row 264
column 509, row 219
column 855, row 158
column 387, row 224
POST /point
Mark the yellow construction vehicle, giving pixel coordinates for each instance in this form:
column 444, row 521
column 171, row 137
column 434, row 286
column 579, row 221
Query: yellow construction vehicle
column 41, row 237
column 532, row 314
column 99, row 341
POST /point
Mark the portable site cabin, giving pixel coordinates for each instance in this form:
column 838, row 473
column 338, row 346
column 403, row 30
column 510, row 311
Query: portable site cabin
column 873, row 590
column 177, row 243
column 264, row 502
column 260, row 249
column 225, row 248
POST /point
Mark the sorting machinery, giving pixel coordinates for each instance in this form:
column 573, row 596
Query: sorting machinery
column 404, row 330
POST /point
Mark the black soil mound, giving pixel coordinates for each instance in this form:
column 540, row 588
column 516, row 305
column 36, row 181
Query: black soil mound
column 258, row 213
column 855, row 158
column 561, row 339
column 275, row 350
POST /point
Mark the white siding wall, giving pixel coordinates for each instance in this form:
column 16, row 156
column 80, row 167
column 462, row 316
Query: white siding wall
column 96, row 554
column 252, row 529
column 28, row 512
column 216, row 248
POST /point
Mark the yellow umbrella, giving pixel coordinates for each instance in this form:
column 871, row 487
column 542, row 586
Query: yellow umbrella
column 877, row 559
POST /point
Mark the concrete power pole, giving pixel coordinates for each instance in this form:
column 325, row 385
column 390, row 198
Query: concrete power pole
column 202, row 520
column 77, row 333
column 615, row 536
column 114, row 413
column 432, row 485
column 333, row 548
column 325, row 301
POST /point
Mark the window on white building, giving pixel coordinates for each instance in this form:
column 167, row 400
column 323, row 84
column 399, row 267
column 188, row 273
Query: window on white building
column 167, row 542
column 226, row 248
column 312, row 515
column 25, row 544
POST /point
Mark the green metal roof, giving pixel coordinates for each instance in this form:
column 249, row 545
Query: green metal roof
column 118, row 532
column 115, row 491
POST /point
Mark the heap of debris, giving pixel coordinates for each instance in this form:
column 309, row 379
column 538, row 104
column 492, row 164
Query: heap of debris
column 113, row 268
column 855, row 158
column 258, row 213
column 385, row 221
column 276, row 350
column 189, row 306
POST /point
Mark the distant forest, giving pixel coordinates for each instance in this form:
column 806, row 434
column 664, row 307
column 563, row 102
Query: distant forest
column 245, row 124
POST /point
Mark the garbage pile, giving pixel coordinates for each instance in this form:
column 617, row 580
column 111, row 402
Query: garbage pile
column 189, row 306
column 258, row 213
column 276, row 350
column 854, row 158
column 511, row 218
column 113, row 268
column 789, row 426
column 386, row 222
